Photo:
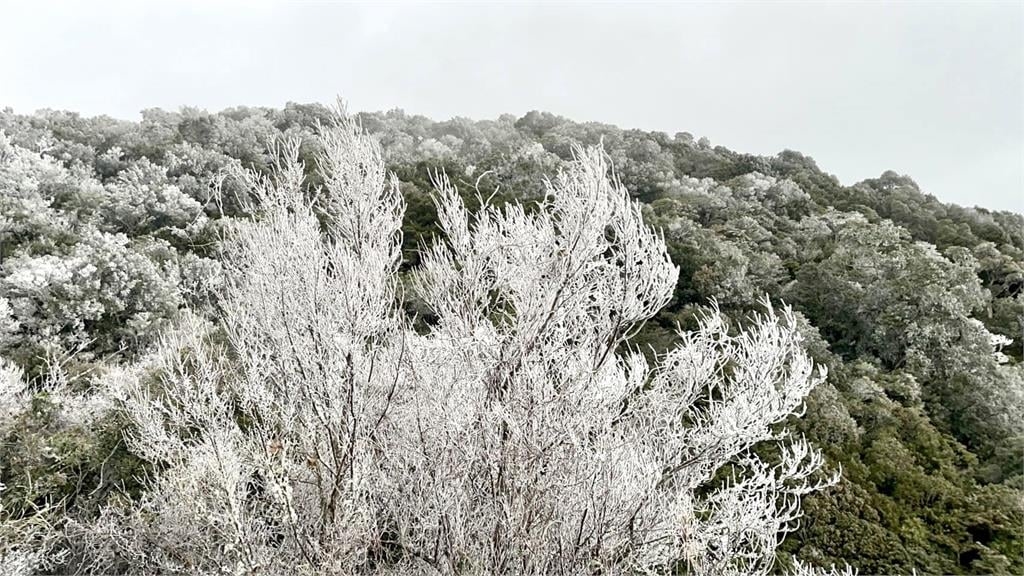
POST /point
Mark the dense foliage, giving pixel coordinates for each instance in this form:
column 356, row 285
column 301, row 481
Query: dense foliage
column 109, row 228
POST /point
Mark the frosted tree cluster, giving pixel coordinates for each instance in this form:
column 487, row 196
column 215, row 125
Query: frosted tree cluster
column 313, row 430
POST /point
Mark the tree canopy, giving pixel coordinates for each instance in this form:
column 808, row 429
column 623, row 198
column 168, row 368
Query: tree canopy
column 110, row 229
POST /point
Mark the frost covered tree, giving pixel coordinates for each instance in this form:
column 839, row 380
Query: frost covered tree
column 313, row 430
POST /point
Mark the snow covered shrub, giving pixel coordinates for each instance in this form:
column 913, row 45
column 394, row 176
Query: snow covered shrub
column 313, row 431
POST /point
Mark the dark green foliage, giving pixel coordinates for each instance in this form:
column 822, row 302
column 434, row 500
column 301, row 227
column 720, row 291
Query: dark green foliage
column 47, row 459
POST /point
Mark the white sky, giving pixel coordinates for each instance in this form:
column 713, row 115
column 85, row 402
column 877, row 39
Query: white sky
column 933, row 90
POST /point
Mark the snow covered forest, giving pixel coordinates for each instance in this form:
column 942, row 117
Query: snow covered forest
column 266, row 341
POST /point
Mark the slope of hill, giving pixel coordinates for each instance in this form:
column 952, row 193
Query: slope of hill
column 108, row 227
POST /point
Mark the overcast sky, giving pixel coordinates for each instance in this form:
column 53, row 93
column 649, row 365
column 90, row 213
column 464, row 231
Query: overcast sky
column 933, row 90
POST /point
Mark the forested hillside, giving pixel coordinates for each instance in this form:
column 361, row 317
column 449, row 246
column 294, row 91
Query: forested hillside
column 109, row 228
